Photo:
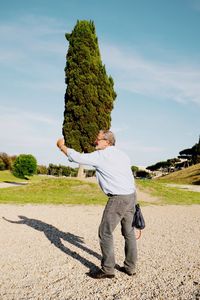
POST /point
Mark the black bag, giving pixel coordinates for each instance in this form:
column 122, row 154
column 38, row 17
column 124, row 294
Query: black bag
column 138, row 219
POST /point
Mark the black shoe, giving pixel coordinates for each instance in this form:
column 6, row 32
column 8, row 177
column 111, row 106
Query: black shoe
column 122, row 269
column 100, row 275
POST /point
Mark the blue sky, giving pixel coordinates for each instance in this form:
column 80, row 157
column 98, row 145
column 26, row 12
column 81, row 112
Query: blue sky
column 150, row 48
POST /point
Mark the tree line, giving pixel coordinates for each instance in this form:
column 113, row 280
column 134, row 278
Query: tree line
column 26, row 165
column 191, row 156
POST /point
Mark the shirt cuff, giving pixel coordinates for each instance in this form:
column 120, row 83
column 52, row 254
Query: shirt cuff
column 69, row 151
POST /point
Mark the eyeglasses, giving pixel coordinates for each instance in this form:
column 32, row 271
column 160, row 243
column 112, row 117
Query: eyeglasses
column 101, row 140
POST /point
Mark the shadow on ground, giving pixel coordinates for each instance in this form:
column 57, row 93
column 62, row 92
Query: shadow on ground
column 54, row 235
column 15, row 183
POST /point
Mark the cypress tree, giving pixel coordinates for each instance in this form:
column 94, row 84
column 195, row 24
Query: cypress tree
column 90, row 91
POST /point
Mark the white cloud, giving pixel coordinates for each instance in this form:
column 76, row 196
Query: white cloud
column 29, row 27
column 27, row 132
column 32, row 55
column 27, row 45
column 30, row 40
column 135, row 73
column 138, row 147
column 13, row 114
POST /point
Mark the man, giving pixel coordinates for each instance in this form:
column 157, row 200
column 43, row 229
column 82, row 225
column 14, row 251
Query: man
column 114, row 175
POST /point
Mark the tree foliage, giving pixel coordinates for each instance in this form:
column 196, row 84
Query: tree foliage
column 158, row 165
column 192, row 154
column 134, row 169
column 142, row 174
column 42, row 170
column 24, row 165
column 7, row 161
column 90, row 92
column 2, row 165
column 59, row 170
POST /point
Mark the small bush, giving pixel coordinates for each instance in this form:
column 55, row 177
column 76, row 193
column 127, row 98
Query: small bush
column 2, row 165
column 24, row 165
column 143, row 174
column 134, row 170
column 41, row 169
column 6, row 160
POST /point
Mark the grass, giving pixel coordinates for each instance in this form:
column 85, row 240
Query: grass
column 53, row 191
column 7, row 176
column 168, row 195
column 45, row 190
column 189, row 175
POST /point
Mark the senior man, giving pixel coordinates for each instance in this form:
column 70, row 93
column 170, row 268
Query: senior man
column 114, row 175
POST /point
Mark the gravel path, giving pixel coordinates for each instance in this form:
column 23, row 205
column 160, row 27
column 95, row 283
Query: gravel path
column 11, row 184
column 188, row 187
column 46, row 252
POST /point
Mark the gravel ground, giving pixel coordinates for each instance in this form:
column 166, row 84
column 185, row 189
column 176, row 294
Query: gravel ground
column 46, row 252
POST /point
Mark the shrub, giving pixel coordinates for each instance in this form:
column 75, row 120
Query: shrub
column 6, row 160
column 2, row 165
column 90, row 173
column 143, row 174
column 134, row 170
column 59, row 170
column 41, row 169
column 24, row 165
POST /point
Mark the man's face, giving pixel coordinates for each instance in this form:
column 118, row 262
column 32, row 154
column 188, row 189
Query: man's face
column 100, row 142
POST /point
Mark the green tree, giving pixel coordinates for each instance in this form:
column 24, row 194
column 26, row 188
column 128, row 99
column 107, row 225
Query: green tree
column 159, row 165
column 192, row 154
column 24, row 165
column 90, row 92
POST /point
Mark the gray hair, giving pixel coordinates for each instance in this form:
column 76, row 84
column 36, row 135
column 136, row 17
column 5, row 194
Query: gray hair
column 109, row 136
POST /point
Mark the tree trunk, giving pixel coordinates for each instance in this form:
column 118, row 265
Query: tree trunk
column 81, row 173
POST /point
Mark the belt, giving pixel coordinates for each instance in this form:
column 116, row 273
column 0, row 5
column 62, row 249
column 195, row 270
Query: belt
column 122, row 195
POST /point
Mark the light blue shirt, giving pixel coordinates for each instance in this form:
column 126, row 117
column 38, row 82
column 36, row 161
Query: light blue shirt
column 113, row 169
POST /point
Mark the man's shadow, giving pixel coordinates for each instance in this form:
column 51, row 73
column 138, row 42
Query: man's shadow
column 54, row 235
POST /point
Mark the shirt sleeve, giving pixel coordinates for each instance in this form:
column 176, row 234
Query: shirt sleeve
column 90, row 159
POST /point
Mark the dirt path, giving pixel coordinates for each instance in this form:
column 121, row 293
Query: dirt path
column 189, row 187
column 11, row 184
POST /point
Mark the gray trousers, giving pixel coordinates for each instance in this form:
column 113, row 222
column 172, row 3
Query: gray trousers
column 118, row 209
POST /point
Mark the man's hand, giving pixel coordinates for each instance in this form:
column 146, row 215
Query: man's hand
column 61, row 145
column 60, row 142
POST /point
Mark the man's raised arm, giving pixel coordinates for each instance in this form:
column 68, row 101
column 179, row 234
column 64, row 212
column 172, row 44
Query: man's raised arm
column 61, row 145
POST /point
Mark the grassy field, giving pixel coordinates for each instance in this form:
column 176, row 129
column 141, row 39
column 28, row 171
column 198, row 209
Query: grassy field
column 189, row 175
column 45, row 190
column 7, row 176
column 168, row 195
